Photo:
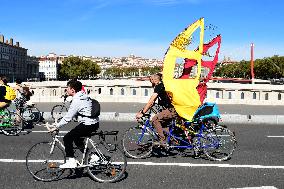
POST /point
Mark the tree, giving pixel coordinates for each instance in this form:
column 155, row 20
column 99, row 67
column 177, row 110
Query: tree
column 266, row 68
column 74, row 67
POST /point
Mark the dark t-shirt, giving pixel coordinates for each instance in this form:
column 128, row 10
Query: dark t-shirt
column 2, row 94
column 163, row 98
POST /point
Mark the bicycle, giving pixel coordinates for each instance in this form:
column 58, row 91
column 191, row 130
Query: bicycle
column 43, row 159
column 11, row 123
column 30, row 113
column 217, row 143
column 57, row 110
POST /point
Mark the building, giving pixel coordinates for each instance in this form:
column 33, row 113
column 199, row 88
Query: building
column 49, row 66
column 13, row 60
column 32, row 68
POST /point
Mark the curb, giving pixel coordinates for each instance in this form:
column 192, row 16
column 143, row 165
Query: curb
column 226, row 118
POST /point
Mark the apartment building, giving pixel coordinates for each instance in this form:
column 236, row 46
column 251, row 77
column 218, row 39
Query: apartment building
column 13, row 60
column 48, row 65
column 33, row 68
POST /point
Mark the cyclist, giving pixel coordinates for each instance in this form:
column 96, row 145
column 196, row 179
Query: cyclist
column 3, row 101
column 81, row 106
column 163, row 100
column 21, row 98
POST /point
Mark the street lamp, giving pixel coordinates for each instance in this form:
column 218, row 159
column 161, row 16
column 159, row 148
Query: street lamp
column 251, row 62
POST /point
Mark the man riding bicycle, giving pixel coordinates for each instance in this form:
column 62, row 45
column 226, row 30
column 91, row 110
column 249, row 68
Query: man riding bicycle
column 81, row 106
column 163, row 100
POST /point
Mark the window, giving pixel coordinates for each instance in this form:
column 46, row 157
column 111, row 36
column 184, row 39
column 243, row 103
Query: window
column 122, row 91
column 134, row 92
column 54, row 92
column 254, row 95
column 99, row 90
column 111, row 91
column 217, row 95
column 242, row 95
column 146, row 92
column 42, row 93
column 266, row 96
column 279, row 96
column 230, row 95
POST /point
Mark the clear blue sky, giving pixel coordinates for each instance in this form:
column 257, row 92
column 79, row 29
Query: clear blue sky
column 142, row 27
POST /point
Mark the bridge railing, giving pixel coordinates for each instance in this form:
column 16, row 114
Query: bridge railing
column 140, row 91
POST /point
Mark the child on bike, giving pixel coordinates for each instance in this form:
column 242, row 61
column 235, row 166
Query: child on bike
column 81, row 106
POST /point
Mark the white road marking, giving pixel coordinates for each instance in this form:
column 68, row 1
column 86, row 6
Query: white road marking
column 261, row 187
column 207, row 165
column 275, row 136
column 173, row 164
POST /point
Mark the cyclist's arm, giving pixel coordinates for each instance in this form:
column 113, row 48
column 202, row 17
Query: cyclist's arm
column 150, row 103
column 73, row 109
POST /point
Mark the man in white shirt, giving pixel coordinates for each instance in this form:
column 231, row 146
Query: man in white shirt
column 81, row 106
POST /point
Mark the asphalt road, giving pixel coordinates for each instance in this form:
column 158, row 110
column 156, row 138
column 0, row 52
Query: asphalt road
column 258, row 161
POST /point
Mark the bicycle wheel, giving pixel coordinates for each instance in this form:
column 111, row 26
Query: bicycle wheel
column 43, row 161
column 5, row 115
column 33, row 114
column 110, row 165
column 219, row 144
column 12, row 123
column 210, row 124
column 137, row 145
column 58, row 112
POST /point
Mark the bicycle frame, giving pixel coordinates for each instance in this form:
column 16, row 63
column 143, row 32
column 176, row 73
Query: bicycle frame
column 148, row 127
column 80, row 163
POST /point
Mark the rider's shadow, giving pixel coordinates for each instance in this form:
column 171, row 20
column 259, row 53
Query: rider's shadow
column 160, row 152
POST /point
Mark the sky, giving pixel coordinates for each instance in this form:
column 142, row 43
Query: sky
column 117, row 28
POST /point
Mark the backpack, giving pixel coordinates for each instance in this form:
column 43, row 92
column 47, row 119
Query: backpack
column 96, row 109
column 10, row 93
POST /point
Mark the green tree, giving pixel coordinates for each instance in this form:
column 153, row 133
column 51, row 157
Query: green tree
column 75, row 67
column 266, row 68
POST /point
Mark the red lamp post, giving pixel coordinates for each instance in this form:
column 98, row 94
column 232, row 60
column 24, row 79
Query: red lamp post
column 251, row 62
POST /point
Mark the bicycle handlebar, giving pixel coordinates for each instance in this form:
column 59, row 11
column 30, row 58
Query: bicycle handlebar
column 50, row 129
column 64, row 96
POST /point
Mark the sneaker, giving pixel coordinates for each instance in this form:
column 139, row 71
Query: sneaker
column 94, row 158
column 71, row 163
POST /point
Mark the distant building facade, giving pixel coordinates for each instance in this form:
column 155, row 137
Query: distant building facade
column 48, row 65
column 33, row 68
column 13, row 60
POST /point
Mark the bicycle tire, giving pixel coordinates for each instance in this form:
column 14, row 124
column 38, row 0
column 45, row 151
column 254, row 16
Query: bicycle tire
column 5, row 116
column 131, row 146
column 57, row 112
column 111, row 165
column 219, row 144
column 13, row 124
column 43, row 164
column 34, row 114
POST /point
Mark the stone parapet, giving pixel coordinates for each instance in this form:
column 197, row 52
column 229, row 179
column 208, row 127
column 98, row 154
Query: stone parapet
column 140, row 91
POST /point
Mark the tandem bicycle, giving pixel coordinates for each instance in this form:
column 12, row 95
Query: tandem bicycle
column 217, row 143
